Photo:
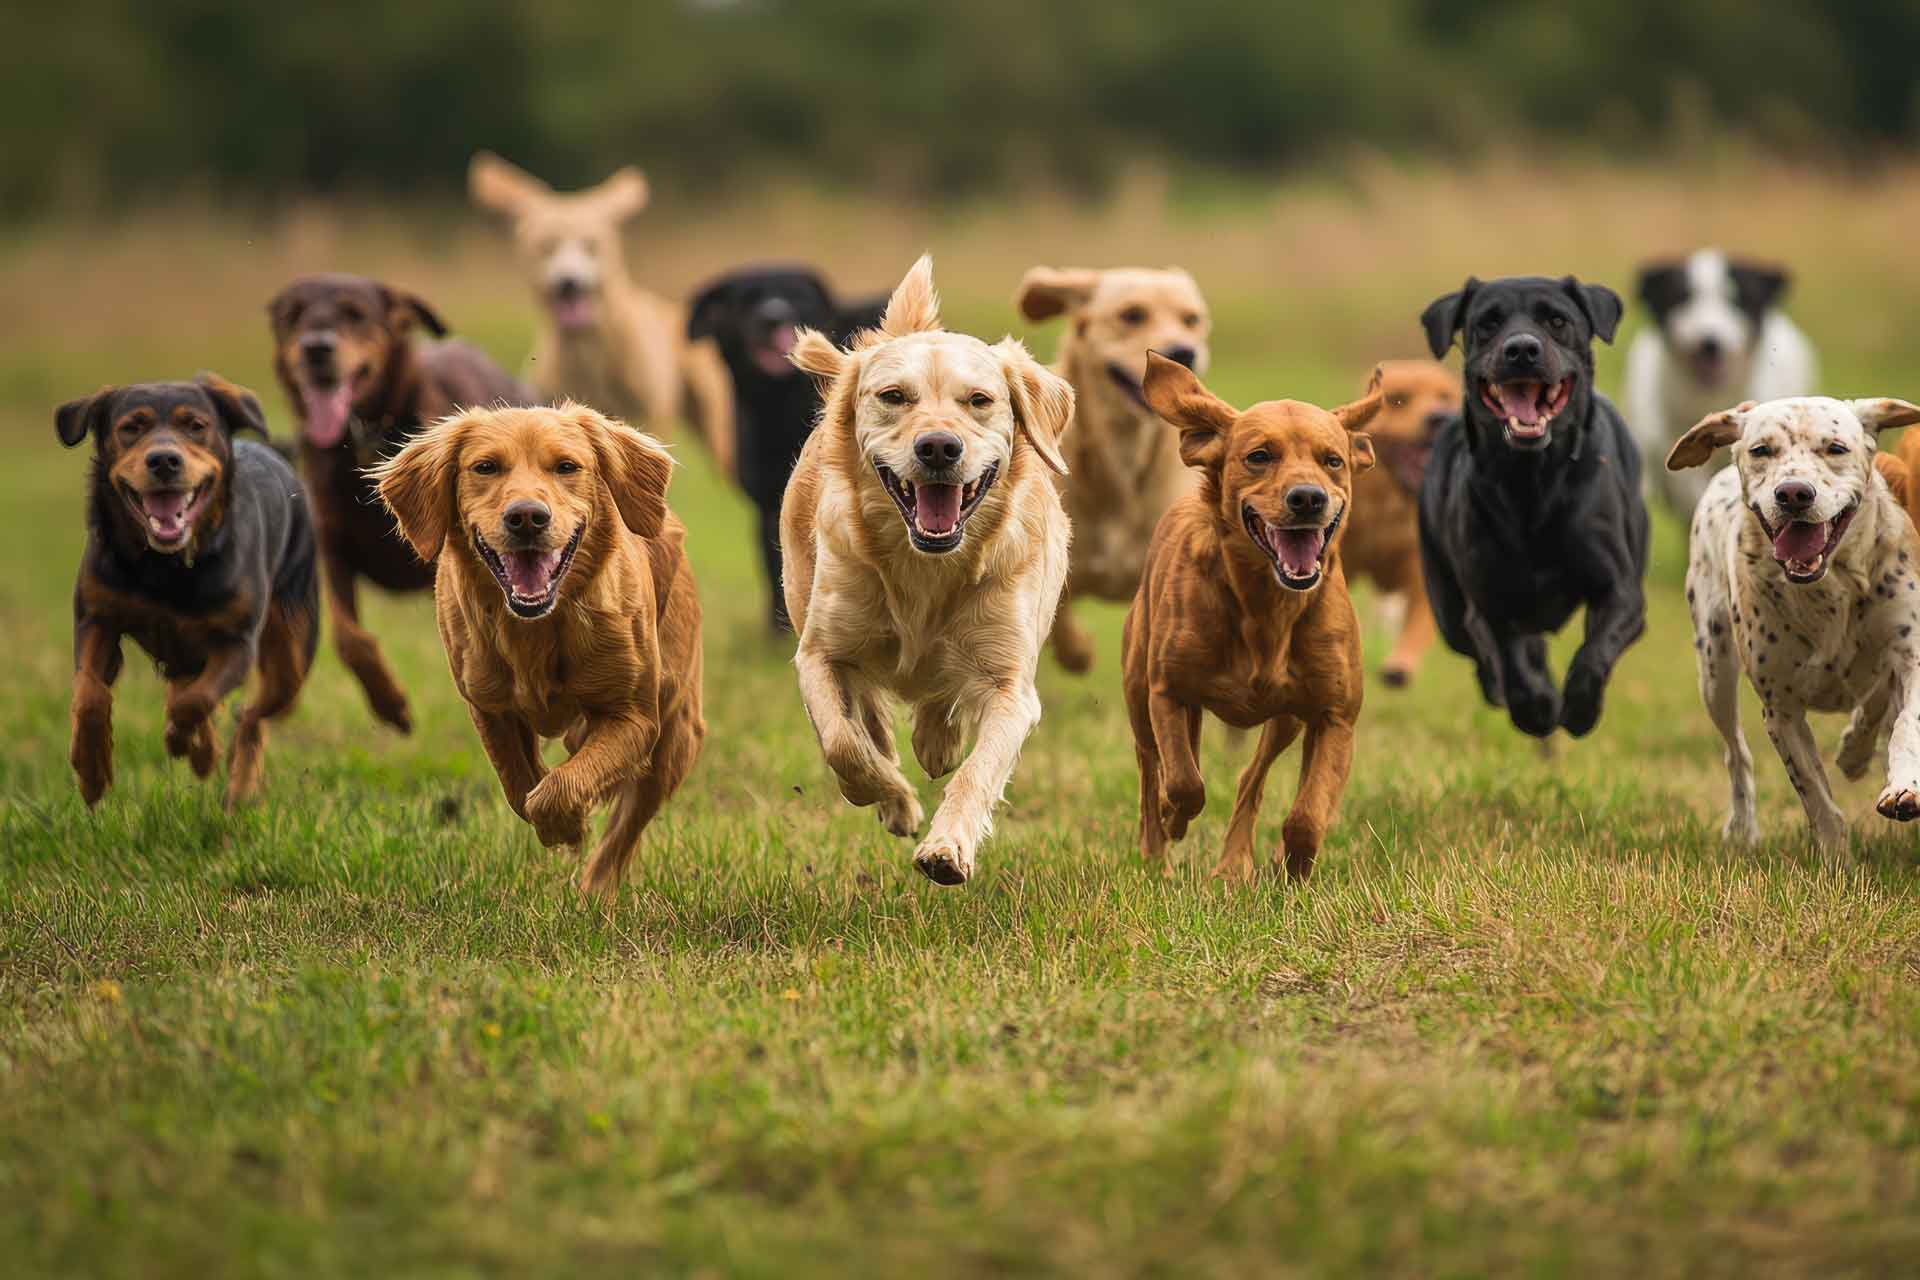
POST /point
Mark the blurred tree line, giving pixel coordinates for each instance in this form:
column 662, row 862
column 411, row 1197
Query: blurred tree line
column 112, row 102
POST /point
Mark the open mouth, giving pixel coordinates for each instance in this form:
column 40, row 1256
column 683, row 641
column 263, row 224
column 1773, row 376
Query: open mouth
column 1709, row 367
column 325, row 406
column 168, row 515
column 572, row 309
column 530, row 579
column 771, row 354
column 1804, row 548
column 1129, row 384
column 1297, row 551
column 1406, row 463
column 936, row 514
column 1527, row 408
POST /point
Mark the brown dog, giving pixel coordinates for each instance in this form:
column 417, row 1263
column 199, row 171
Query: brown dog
column 1243, row 611
column 605, row 341
column 567, row 609
column 361, row 386
column 1418, row 397
column 1125, row 465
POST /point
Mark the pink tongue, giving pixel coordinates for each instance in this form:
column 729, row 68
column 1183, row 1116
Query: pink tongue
column 572, row 313
column 327, row 410
column 773, row 356
column 1799, row 541
column 781, row 339
column 166, row 512
column 530, row 573
column 1520, row 400
column 936, row 507
column 1298, row 549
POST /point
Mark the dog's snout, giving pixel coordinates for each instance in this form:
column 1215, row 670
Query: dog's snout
column 938, row 450
column 567, row 288
column 1794, row 495
column 1436, row 420
column 1181, row 355
column 165, row 464
column 1522, row 350
column 774, row 311
column 527, row 517
column 1709, row 347
column 317, row 348
column 1306, row 500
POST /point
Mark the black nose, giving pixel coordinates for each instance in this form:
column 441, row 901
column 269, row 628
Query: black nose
column 1306, row 500
column 1795, row 495
column 316, row 348
column 1181, row 355
column 164, row 464
column 1710, row 348
column 1436, row 420
column 1523, row 350
column 567, row 288
column 938, row 450
column 527, row 517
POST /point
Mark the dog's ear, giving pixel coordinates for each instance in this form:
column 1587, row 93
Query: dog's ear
column 1042, row 401
column 1375, row 381
column 408, row 309
column 1204, row 419
column 1600, row 305
column 1046, row 292
column 636, row 466
column 75, row 419
column 502, row 187
column 1358, row 414
column 416, row 484
column 1715, row 431
column 1882, row 414
column 239, row 408
column 914, row 306
column 1662, row 285
column 708, row 306
column 1360, row 444
column 1444, row 316
column 814, row 354
column 622, row 195
column 1759, row 285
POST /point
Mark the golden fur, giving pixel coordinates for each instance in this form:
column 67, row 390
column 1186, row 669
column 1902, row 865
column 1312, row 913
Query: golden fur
column 1212, row 627
column 613, row 663
column 957, row 634
column 1125, row 463
column 631, row 358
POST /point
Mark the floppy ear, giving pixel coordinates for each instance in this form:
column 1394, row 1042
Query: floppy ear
column 1759, row 285
column 1046, row 292
column 239, row 408
column 622, row 195
column 1881, row 413
column 1599, row 304
column 1444, row 316
column 1661, row 284
column 1360, row 444
column 704, row 312
column 410, row 308
column 416, row 484
column 74, row 419
column 504, row 188
column 814, row 353
column 1358, row 414
column 1716, row 431
column 1177, row 394
column 636, row 466
column 1042, row 402
column 914, row 306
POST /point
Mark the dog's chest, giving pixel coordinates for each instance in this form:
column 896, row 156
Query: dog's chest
column 1822, row 645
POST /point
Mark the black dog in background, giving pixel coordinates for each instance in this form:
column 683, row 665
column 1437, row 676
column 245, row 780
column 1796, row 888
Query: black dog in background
column 1531, row 504
column 752, row 314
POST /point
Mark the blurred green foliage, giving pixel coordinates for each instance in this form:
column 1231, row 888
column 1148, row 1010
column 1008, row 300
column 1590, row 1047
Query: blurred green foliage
column 109, row 103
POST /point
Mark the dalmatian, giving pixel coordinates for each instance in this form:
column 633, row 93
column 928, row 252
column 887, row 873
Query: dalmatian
column 1804, row 573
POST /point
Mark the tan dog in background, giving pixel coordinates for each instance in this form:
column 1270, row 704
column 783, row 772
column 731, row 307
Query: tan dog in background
column 604, row 341
column 925, row 549
column 567, row 609
column 1243, row 611
column 1125, row 463
column 1418, row 397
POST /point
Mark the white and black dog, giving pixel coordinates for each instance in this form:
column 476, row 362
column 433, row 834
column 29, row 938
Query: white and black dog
column 1718, row 338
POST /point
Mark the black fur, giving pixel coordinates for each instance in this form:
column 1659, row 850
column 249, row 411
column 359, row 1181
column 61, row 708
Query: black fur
column 1514, row 539
column 775, row 403
column 1757, row 288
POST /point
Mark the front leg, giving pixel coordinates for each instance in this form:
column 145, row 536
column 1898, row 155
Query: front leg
column 614, row 749
column 96, row 664
column 1236, row 860
column 965, row 815
column 1532, row 701
column 1900, row 800
column 1176, row 732
column 514, row 749
column 1793, row 739
column 1326, row 760
column 866, row 775
column 190, row 705
column 1615, row 619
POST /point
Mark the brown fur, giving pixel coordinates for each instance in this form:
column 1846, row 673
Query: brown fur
column 1211, row 628
column 1384, row 540
column 633, row 359
column 615, row 667
column 1898, row 468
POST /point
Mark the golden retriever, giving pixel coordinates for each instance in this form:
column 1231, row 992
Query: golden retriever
column 605, row 341
column 1125, row 463
column 925, row 550
column 567, row 609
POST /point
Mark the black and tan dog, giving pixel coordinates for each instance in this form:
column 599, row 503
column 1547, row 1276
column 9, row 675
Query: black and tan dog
column 345, row 353
column 1530, row 508
column 200, row 549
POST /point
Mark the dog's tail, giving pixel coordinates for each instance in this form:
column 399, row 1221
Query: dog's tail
column 1898, row 479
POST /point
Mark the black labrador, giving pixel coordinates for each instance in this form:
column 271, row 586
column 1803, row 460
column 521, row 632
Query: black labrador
column 752, row 314
column 1531, row 508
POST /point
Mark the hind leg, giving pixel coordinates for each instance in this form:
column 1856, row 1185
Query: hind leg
column 283, row 669
column 1236, row 859
column 357, row 648
column 189, row 734
column 1720, row 691
column 1864, row 727
column 1072, row 645
column 639, row 801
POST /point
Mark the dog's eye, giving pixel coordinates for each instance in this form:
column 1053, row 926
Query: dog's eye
column 1335, row 462
column 1191, row 319
column 1398, row 400
column 1259, row 458
column 980, row 400
column 1133, row 316
column 1837, row 447
column 352, row 315
column 486, row 467
column 1557, row 323
column 566, row 466
column 1760, row 451
column 1486, row 325
column 891, row 395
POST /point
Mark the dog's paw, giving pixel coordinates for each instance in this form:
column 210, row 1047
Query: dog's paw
column 1491, row 687
column 943, row 861
column 901, row 814
column 1741, row 829
column 1396, row 675
column 1580, row 708
column 1180, row 804
column 1901, row 804
column 189, row 734
column 1235, row 867
column 1534, row 711
column 94, row 773
column 556, row 817
column 1856, row 756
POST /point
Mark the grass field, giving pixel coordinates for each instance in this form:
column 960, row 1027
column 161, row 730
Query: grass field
column 1529, row 1016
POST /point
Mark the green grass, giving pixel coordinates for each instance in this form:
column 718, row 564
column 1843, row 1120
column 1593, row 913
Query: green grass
column 1529, row 1016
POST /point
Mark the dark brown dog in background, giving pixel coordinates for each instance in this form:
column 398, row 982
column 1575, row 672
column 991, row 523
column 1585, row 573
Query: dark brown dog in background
column 361, row 385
